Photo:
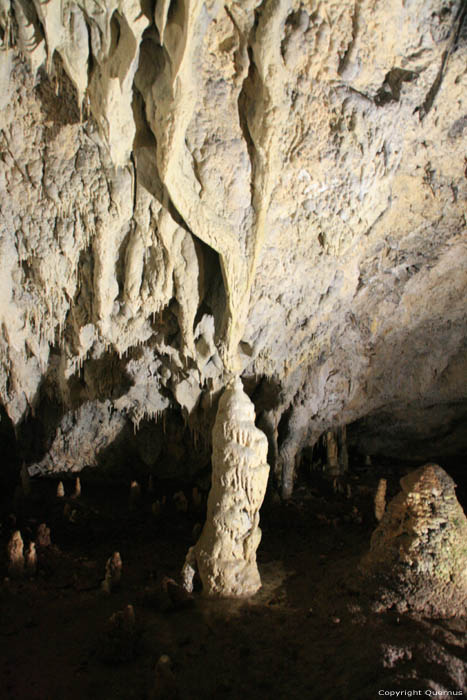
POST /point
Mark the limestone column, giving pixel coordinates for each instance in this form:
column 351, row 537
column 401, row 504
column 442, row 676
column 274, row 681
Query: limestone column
column 225, row 554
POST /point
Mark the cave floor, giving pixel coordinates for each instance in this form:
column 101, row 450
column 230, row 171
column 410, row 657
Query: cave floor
column 308, row 633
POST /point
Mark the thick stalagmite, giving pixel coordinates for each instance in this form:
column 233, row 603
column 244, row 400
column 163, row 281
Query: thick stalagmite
column 225, row 554
column 418, row 553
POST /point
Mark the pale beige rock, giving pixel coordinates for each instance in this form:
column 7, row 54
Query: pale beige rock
column 225, row 554
column 418, row 553
column 15, row 555
column 380, row 499
column 31, row 559
column 77, row 491
column 60, row 490
column 272, row 188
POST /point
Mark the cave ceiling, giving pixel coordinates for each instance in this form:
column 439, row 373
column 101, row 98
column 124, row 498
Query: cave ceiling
column 192, row 190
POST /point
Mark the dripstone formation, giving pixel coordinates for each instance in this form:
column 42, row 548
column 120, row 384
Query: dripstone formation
column 418, row 553
column 225, row 554
column 196, row 189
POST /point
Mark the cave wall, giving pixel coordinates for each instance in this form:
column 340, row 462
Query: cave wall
column 193, row 189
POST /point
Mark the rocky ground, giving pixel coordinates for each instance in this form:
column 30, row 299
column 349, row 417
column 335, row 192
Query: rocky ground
column 310, row 631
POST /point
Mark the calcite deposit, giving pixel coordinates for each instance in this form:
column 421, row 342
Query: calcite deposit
column 273, row 188
column 15, row 551
column 225, row 554
column 418, row 552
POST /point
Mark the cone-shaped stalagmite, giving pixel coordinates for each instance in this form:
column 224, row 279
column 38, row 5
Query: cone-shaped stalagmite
column 225, row 554
column 418, row 553
column 16, row 555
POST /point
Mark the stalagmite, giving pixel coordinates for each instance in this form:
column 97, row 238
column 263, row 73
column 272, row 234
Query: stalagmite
column 418, row 554
column 15, row 555
column 165, row 682
column 43, row 536
column 332, row 454
column 135, row 495
column 31, row 559
column 60, row 490
column 77, row 492
column 156, row 509
column 113, row 573
column 380, row 499
column 225, row 554
column 181, row 503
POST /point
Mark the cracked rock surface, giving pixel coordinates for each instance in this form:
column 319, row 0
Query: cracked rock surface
column 194, row 189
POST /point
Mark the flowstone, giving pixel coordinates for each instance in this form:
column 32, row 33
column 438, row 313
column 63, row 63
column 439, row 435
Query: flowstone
column 225, row 554
column 418, row 552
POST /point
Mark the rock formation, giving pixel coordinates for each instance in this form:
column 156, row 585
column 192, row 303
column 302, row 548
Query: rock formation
column 113, row 573
column 196, row 188
column 380, row 499
column 43, row 536
column 15, row 555
column 225, row 554
column 418, row 553
column 135, row 495
column 31, row 559
column 77, row 491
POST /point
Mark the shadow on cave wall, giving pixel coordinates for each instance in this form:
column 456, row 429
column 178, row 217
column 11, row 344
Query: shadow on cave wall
column 10, row 461
column 164, row 449
column 99, row 379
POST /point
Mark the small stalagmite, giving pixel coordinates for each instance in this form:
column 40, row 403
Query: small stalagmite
column 16, row 555
column 380, row 499
column 181, row 503
column 418, row 555
column 60, row 490
column 113, row 573
column 225, row 554
column 156, row 509
column 165, row 682
column 332, row 454
column 77, row 492
column 43, row 536
column 31, row 559
column 135, row 495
